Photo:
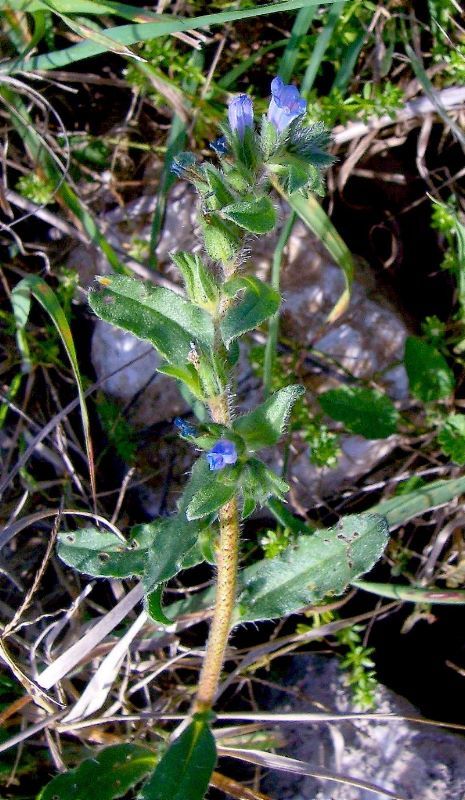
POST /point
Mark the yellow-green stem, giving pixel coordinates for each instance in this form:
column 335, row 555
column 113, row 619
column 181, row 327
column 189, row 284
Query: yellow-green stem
column 227, row 558
column 227, row 562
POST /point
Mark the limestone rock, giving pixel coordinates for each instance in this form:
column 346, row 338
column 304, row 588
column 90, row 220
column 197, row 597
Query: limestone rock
column 419, row 762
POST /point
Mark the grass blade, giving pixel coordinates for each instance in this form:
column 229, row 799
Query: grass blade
column 273, row 326
column 399, row 510
column 321, row 46
column 35, row 286
column 317, row 220
column 130, row 34
column 420, row 72
column 413, row 594
column 345, row 71
column 300, row 28
column 89, row 33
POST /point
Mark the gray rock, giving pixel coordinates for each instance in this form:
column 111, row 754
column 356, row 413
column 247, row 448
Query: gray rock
column 419, row 762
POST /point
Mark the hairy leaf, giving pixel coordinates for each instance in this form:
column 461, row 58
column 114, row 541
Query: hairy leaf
column 429, row 375
column 107, row 775
column 209, row 499
column 257, row 302
column 367, row 412
column 103, row 554
column 265, row 424
column 162, row 317
column 200, row 285
column 187, row 374
column 222, row 240
column 154, row 606
column 155, row 552
column 320, row 564
column 258, row 483
column 257, row 215
column 185, row 770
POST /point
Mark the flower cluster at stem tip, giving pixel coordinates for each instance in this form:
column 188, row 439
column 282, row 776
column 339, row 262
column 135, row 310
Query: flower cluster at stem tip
column 286, row 105
column 221, row 454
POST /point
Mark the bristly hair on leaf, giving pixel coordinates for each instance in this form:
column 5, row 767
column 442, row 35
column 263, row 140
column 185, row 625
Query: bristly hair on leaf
column 310, row 143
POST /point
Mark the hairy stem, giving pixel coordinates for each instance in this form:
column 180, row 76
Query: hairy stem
column 226, row 580
column 227, row 559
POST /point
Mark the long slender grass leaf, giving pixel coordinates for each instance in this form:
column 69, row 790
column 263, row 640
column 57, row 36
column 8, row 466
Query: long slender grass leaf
column 36, row 286
column 130, row 34
column 300, row 28
column 317, row 220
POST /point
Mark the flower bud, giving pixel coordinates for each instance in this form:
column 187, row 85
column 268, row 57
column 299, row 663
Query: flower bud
column 184, row 428
column 240, row 114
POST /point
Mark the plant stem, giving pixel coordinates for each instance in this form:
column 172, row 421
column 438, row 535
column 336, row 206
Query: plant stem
column 227, row 562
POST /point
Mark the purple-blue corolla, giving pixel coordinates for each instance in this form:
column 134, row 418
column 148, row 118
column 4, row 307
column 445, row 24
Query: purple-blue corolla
column 286, row 104
column 240, row 114
column 221, row 454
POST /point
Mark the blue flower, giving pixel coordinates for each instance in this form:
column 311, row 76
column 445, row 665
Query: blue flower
column 219, row 146
column 221, row 454
column 240, row 114
column 184, row 428
column 286, row 104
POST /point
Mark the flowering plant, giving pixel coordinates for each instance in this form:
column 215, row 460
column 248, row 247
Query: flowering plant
column 197, row 335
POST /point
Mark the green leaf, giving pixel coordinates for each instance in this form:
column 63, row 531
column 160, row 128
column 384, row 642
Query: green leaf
column 209, row 499
column 399, row 510
column 452, row 438
column 185, row 770
column 200, row 477
column 268, row 138
column 429, row 375
column 155, row 552
column 258, row 302
column 154, row 607
column 104, row 555
column 162, row 317
column 187, row 374
column 396, row 511
column 367, row 412
column 257, row 215
column 21, row 302
column 320, row 564
column 219, row 188
column 258, row 483
column 109, row 774
column 136, row 31
column 222, row 241
column 200, row 284
column 297, row 176
column 174, row 539
column 316, row 219
column 264, row 425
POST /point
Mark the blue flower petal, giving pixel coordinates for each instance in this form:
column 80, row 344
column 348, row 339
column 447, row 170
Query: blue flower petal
column 222, row 453
column 215, row 461
column 286, row 104
column 240, row 114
